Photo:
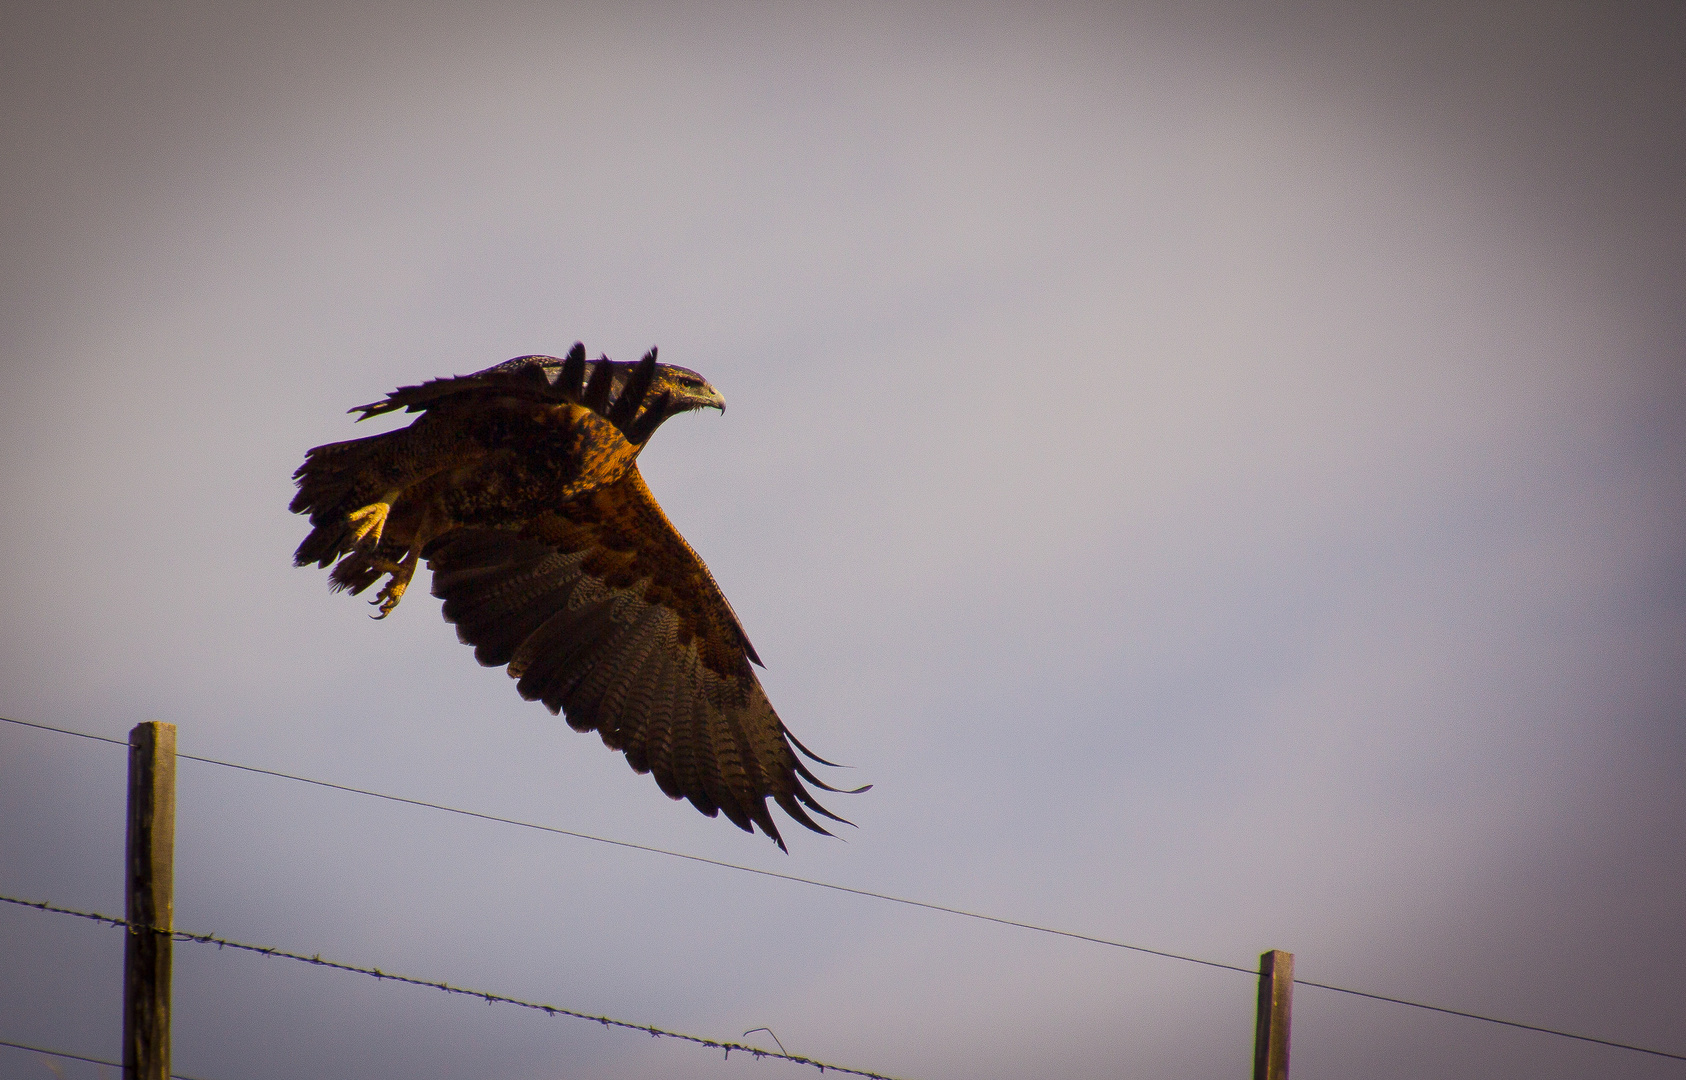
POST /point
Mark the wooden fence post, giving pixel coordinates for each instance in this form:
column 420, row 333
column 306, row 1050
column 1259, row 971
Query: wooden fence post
column 1270, row 1033
column 151, row 901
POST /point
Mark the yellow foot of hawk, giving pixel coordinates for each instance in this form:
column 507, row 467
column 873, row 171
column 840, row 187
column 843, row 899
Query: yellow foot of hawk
column 393, row 591
column 368, row 523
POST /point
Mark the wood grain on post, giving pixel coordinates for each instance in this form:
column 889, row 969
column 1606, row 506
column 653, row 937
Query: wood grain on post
column 151, row 901
column 1276, row 997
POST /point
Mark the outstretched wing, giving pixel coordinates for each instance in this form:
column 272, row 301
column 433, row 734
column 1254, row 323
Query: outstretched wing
column 603, row 612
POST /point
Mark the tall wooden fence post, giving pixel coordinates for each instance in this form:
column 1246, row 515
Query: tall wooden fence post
column 151, row 901
column 1270, row 1033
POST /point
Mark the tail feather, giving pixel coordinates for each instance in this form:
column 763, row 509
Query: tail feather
column 354, row 573
column 324, row 544
column 335, row 480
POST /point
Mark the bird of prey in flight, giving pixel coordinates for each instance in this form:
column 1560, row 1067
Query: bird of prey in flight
column 519, row 486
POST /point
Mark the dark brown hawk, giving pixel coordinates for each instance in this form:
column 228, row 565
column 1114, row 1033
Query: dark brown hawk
column 519, row 485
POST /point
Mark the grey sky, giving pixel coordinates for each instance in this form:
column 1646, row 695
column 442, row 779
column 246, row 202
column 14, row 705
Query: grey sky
column 1220, row 474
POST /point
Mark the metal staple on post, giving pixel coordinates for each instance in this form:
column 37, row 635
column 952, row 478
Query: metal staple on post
column 151, row 901
column 1270, row 1033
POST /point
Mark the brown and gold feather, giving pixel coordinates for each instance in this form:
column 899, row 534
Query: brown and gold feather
column 519, row 486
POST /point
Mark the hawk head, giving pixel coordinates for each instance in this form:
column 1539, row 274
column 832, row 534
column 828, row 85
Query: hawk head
column 683, row 389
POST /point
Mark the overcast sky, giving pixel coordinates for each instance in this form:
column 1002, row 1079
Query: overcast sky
column 1219, row 472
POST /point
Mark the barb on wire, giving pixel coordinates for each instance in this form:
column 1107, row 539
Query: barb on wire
column 486, row 996
column 769, row 1031
column 856, row 892
column 76, row 1057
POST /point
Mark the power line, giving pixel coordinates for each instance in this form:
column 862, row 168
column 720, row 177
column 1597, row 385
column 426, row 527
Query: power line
column 865, row 892
column 75, row 1057
column 490, row 998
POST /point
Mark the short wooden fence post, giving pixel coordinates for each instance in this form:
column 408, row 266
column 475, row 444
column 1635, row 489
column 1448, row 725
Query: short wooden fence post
column 1270, row 1033
column 151, row 901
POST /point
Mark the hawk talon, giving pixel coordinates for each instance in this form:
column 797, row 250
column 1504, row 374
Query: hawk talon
column 393, row 591
column 369, row 522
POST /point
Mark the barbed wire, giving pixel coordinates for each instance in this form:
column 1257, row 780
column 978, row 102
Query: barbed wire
column 77, row 1057
column 486, row 996
column 865, row 893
